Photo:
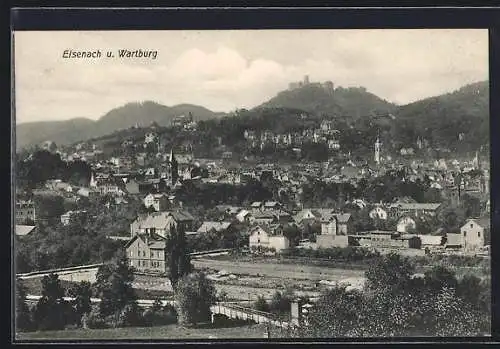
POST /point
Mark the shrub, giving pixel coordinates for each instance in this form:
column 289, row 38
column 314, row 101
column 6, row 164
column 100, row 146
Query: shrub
column 93, row 320
column 160, row 316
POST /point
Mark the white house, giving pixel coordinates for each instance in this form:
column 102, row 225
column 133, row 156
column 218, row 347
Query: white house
column 159, row 202
column 261, row 237
column 406, row 224
column 473, row 232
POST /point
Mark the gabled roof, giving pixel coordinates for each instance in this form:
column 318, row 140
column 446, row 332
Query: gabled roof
column 159, row 219
column 217, row 226
column 484, row 222
column 22, row 230
column 271, row 230
column 242, row 214
column 181, row 215
column 270, row 204
column 154, row 242
column 416, row 206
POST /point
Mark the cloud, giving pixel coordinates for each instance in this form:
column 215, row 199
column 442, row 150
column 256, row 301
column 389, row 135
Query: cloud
column 224, row 70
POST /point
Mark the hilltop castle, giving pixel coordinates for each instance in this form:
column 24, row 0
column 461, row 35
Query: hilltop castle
column 327, row 85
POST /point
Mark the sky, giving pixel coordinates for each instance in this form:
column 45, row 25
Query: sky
column 225, row 70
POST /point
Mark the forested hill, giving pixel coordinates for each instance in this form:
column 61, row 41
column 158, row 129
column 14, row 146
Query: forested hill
column 313, row 98
column 74, row 130
column 457, row 120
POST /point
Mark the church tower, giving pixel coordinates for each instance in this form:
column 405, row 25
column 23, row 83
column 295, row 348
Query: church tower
column 174, row 171
column 377, row 150
column 93, row 183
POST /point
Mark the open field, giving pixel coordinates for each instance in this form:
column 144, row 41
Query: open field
column 243, row 288
column 277, row 270
column 170, row 332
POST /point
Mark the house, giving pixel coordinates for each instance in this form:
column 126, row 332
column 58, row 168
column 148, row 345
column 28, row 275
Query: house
column 88, row 193
column 474, row 232
column 415, row 209
column 322, row 216
column 329, row 237
column 146, row 252
column 406, row 224
column 378, row 213
column 267, row 237
column 161, row 223
column 24, row 230
column 25, row 212
column 213, row 226
column 109, row 187
column 71, row 215
column 375, row 238
column 159, row 202
column 58, row 185
column 432, row 241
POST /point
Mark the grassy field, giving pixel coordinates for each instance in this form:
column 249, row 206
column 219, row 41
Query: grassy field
column 170, row 332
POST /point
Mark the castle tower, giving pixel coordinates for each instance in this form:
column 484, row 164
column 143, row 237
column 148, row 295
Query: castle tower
column 377, row 150
column 174, row 171
column 306, row 80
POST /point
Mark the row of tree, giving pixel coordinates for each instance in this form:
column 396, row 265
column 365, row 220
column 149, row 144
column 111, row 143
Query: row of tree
column 395, row 303
column 44, row 165
column 118, row 306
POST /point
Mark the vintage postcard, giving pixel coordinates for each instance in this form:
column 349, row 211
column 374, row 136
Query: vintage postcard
column 251, row 184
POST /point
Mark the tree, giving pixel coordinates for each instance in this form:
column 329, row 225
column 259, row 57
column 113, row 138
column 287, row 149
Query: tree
column 438, row 278
column 23, row 314
column 471, row 205
column 336, row 314
column 281, row 303
column 114, row 285
column 178, row 259
column 81, row 293
column 261, row 304
column 51, row 311
column 390, row 272
column 194, row 294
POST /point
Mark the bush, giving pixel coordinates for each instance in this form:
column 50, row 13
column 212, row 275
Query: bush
column 129, row 316
column 93, row 320
column 160, row 316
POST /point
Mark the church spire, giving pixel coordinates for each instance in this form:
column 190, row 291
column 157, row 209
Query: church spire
column 377, row 149
column 93, row 183
column 174, row 172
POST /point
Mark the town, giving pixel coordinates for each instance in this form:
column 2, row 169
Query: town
column 270, row 216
